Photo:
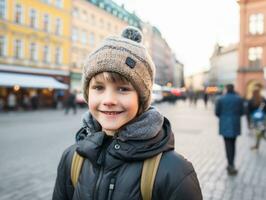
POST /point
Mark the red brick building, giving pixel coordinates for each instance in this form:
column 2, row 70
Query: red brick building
column 252, row 47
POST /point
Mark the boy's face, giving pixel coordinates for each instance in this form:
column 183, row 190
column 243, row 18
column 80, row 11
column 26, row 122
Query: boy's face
column 112, row 104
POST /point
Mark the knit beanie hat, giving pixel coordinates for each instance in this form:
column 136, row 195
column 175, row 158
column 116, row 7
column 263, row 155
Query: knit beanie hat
column 126, row 56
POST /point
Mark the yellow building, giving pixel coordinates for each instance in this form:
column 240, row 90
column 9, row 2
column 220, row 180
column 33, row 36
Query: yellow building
column 35, row 39
column 92, row 21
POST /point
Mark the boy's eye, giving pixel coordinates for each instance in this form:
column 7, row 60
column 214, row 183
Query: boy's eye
column 123, row 89
column 97, row 87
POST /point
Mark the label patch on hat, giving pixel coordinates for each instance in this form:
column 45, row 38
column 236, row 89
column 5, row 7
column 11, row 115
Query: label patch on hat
column 130, row 62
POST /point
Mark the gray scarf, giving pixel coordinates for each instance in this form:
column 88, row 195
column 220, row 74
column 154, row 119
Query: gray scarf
column 145, row 126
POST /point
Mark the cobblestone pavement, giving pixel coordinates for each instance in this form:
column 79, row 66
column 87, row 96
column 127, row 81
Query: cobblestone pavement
column 31, row 145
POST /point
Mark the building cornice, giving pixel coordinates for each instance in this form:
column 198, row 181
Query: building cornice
column 22, row 69
column 249, row 69
column 118, row 11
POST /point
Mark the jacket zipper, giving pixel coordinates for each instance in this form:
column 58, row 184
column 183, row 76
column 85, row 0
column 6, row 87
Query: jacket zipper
column 111, row 188
column 99, row 178
column 100, row 174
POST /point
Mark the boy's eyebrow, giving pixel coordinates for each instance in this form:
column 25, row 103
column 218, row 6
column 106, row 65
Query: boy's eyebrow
column 94, row 81
column 124, row 83
column 118, row 82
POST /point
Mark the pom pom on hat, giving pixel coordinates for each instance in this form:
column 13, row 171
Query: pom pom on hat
column 126, row 56
column 132, row 33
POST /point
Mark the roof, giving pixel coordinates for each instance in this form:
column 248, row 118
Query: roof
column 118, row 11
column 30, row 81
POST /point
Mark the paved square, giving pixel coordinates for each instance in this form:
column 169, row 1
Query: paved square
column 31, row 144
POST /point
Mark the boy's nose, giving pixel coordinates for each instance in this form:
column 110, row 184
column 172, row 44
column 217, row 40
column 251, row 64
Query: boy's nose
column 109, row 99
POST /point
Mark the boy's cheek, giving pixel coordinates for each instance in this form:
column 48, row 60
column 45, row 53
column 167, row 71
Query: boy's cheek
column 90, row 104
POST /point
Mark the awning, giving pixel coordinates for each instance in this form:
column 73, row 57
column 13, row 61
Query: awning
column 30, row 81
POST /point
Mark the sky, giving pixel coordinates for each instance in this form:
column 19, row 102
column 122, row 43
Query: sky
column 191, row 27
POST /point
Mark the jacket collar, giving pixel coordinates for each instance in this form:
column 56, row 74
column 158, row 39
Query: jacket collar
column 147, row 135
column 144, row 127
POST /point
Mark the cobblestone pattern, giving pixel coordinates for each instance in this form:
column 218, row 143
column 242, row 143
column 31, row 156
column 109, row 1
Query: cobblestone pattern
column 31, row 145
column 196, row 134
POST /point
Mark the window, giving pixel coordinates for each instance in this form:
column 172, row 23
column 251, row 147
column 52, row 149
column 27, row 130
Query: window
column 255, row 57
column 46, row 54
column 101, row 23
column 2, row 9
column 2, row 46
column 18, row 49
column 46, row 1
column 74, row 34
column 92, row 40
column 114, row 12
column 46, row 20
column 83, row 37
column 256, row 24
column 33, row 18
column 84, row 15
column 33, row 51
column 59, row 3
column 92, row 20
column 58, row 26
column 108, row 26
column 75, row 12
column 58, row 55
column 102, row 4
column 18, row 14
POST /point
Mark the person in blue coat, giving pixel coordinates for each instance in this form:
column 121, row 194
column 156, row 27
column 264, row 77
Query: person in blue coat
column 229, row 109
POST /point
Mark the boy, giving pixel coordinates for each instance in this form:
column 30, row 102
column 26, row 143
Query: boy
column 121, row 130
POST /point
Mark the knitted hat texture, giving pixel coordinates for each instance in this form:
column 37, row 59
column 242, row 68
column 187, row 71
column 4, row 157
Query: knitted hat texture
column 126, row 56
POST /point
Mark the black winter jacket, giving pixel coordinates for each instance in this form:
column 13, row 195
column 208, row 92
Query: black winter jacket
column 119, row 160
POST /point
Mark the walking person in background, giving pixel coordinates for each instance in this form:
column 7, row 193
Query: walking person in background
column 256, row 110
column 195, row 97
column 190, row 96
column 26, row 102
column 12, row 101
column 122, row 130
column 34, row 101
column 205, row 98
column 2, row 104
column 71, row 102
column 229, row 109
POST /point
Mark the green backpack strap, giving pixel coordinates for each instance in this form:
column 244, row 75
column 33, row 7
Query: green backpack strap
column 149, row 170
column 76, row 165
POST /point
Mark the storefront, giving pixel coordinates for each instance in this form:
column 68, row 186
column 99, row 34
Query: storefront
column 30, row 91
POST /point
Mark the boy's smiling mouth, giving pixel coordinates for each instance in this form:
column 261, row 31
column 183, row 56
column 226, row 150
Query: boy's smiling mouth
column 111, row 112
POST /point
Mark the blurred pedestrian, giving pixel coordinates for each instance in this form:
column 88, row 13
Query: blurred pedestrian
column 71, row 102
column 190, row 95
column 26, row 102
column 121, row 130
column 256, row 110
column 2, row 104
column 55, row 100
column 195, row 97
column 229, row 109
column 205, row 98
column 12, row 101
column 34, row 101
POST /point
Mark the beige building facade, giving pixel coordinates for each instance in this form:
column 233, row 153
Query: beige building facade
column 92, row 21
column 252, row 45
column 162, row 55
column 34, row 50
column 224, row 65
